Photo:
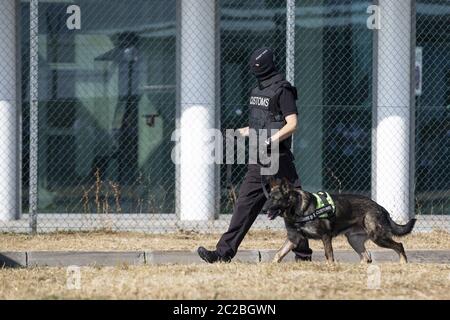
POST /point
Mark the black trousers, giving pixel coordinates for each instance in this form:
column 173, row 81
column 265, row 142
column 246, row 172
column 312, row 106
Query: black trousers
column 250, row 203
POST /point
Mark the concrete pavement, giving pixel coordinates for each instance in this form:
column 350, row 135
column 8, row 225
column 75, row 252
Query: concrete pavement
column 116, row 258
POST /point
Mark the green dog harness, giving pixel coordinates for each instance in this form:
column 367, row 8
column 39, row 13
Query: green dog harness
column 325, row 208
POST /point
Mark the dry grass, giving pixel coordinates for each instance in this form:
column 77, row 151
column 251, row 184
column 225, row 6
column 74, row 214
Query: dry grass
column 97, row 241
column 231, row 281
column 221, row 281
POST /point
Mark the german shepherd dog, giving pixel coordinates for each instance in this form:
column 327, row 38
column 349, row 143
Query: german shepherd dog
column 357, row 217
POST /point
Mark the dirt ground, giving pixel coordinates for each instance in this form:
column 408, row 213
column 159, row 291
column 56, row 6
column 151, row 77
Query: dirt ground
column 221, row 281
column 232, row 281
column 109, row 241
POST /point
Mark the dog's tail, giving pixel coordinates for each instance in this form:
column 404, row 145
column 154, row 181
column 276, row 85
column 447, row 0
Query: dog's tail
column 398, row 229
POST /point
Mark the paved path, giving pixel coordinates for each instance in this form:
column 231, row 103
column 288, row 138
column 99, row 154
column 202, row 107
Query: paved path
column 115, row 258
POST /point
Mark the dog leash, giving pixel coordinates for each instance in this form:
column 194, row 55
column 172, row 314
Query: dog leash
column 263, row 186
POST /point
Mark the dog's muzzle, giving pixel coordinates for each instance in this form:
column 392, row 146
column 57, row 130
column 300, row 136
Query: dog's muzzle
column 272, row 211
column 272, row 214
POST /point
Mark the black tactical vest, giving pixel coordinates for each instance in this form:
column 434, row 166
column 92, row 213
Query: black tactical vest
column 264, row 110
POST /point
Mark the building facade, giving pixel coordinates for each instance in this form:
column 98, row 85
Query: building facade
column 112, row 90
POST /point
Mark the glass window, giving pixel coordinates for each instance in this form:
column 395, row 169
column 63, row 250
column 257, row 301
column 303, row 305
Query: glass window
column 106, row 106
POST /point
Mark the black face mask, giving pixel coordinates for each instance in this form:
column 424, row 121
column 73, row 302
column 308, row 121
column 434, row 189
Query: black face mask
column 262, row 63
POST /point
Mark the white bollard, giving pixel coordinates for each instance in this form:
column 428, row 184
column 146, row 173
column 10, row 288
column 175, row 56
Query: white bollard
column 9, row 133
column 197, row 97
column 391, row 172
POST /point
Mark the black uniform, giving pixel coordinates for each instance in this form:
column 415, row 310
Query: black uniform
column 270, row 103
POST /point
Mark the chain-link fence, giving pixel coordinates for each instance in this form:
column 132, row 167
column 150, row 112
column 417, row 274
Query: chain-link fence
column 94, row 92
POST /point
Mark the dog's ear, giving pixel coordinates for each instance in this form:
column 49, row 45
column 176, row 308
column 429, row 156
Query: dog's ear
column 302, row 200
column 273, row 182
column 285, row 185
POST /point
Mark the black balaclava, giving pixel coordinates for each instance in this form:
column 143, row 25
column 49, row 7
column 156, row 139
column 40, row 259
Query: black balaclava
column 262, row 63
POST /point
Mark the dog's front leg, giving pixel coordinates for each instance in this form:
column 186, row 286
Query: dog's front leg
column 326, row 239
column 284, row 250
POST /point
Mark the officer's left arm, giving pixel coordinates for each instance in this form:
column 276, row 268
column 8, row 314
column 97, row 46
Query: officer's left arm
column 288, row 109
column 288, row 129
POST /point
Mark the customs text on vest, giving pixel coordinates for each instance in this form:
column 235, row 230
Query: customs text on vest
column 264, row 109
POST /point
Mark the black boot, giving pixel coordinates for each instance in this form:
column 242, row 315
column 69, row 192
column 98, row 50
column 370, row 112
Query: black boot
column 302, row 258
column 210, row 256
column 304, row 255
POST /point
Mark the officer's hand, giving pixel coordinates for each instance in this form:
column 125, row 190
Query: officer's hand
column 265, row 152
column 268, row 143
column 244, row 132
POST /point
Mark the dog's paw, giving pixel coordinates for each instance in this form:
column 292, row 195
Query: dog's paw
column 276, row 259
column 366, row 258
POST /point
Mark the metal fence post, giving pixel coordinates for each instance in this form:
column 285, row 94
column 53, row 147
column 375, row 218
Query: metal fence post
column 34, row 71
column 290, row 46
column 412, row 113
column 290, row 41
